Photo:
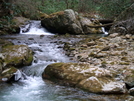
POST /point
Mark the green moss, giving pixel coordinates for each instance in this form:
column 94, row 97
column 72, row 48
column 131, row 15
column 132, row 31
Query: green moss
column 100, row 44
column 124, row 59
column 112, row 63
column 29, row 60
column 103, row 62
column 57, row 64
column 124, row 63
column 120, row 49
column 14, row 57
column 56, row 14
column 91, row 54
column 82, row 48
column 9, row 71
column 71, row 49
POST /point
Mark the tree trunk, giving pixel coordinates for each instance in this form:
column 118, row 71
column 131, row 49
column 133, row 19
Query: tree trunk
column 67, row 4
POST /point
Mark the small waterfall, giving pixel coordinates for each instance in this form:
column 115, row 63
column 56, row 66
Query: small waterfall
column 35, row 28
column 103, row 29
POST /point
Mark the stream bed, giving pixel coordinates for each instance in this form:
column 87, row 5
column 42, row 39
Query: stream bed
column 46, row 51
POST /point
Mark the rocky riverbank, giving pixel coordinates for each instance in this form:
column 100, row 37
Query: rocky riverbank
column 105, row 65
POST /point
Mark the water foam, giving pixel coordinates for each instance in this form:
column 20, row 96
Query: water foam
column 34, row 27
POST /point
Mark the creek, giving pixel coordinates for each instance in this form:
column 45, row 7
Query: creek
column 46, row 51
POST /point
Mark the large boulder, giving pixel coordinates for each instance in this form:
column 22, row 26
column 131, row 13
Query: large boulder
column 63, row 22
column 68, row 21
column 84, row 76
column 11, row 74
column 11, row 58
column 16, row 55
column 124, row 22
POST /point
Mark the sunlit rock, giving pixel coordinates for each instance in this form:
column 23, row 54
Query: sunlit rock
column 84, row 76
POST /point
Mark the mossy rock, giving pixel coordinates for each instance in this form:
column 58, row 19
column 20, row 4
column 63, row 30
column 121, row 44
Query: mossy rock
column 7, row 74
column 20, row 21
column 17, row 55
column 124, row 63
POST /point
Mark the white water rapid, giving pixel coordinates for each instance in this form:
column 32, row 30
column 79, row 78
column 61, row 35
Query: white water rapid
column 35, row 28
column 33, row 88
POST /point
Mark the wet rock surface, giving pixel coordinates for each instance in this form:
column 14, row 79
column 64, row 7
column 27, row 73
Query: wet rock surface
column 11, row 58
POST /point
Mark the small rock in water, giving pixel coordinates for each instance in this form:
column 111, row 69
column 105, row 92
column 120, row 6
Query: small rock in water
column 30, row 38
column 41, row 36
column 131, row 91
column 113, row 35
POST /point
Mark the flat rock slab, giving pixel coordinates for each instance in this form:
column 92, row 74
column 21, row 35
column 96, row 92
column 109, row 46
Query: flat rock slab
column 84, row 76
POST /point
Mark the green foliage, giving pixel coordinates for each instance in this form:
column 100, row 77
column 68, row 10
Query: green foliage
column 29, row 8
column 26, row 8
column 107, row 8
column 112, row 8
column 5, row 21
column 50, row 6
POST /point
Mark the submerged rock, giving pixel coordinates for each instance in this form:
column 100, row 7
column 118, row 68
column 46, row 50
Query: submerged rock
column 84, row 76
column 70, row 22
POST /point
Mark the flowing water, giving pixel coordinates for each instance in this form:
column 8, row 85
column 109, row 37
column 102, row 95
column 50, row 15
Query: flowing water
column 33, row 88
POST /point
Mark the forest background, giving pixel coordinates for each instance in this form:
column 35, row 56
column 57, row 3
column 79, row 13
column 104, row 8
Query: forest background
column 107, row 9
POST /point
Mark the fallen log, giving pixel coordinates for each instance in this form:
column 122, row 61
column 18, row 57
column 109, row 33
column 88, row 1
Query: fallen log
column 98, row 26
column 104, row 21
